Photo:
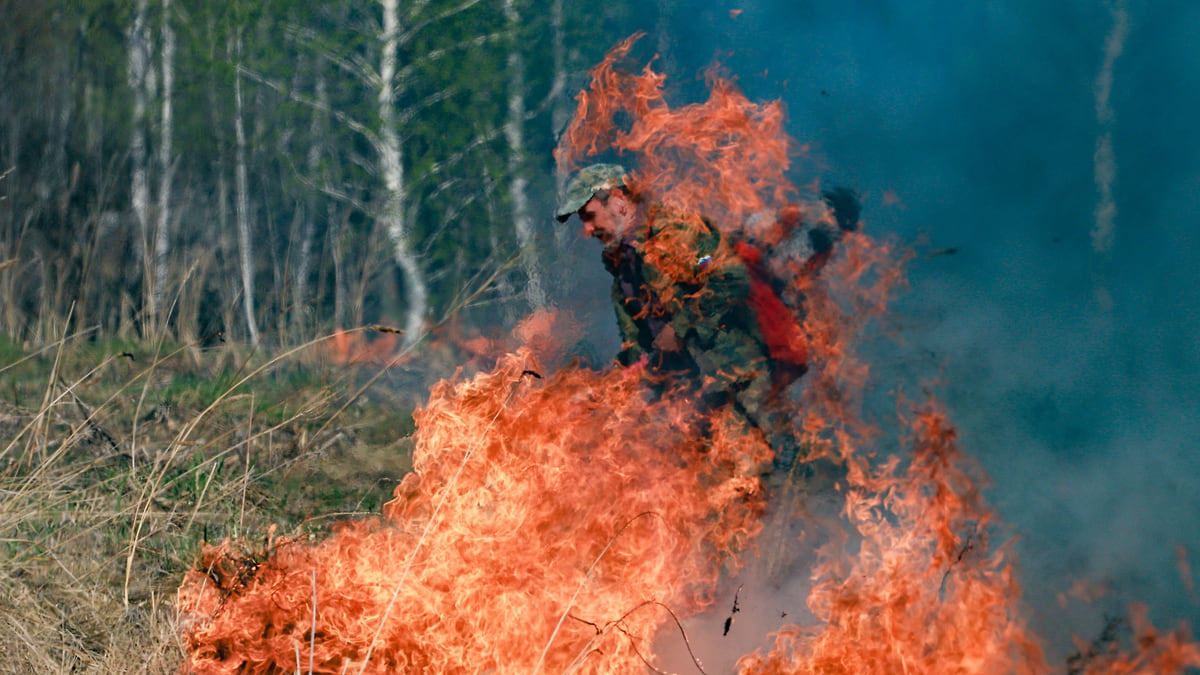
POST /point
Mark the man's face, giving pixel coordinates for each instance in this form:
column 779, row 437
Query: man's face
column 606, row 220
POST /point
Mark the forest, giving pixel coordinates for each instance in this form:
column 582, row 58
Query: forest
column 203, row 206
column 258, row 262
column 272, row 171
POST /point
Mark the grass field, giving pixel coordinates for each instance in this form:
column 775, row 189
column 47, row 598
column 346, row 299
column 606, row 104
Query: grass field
column 118, row 460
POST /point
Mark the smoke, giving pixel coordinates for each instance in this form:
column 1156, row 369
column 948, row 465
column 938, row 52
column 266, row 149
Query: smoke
column 979, row 121
column 769, row 594
column 1105, row 159
column 990, row 129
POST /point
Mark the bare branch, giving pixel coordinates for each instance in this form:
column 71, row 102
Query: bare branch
column 406, row 73
column 416, row 10
column 353, row 64
column 313, row 103
column 329, row 190
column 449, row 218
column 413, row 110
column 457, row 157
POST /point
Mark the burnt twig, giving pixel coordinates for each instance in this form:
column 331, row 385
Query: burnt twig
column 735, row 610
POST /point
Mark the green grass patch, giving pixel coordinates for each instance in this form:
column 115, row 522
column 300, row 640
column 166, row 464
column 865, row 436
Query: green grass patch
column 123, row 459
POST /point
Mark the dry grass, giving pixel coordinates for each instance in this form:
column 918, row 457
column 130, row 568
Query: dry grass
column 117, row 461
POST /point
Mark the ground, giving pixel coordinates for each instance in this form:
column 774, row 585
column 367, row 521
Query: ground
column 118, row 460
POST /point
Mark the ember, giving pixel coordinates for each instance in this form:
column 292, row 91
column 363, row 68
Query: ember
column 560, row 520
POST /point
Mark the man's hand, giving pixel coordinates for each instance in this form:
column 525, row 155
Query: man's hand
column 667, row 340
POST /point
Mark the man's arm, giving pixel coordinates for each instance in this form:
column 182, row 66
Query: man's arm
column 631, row 349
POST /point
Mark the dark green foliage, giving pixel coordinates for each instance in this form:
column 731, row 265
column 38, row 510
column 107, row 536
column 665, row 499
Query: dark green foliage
column 309, row 76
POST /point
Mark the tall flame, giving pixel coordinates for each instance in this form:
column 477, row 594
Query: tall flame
column 558, row 521
column 725, row 157
column 547, row 521
column 923, row 593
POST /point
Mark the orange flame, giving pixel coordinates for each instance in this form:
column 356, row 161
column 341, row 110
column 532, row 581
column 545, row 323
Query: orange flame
column 725, row 157
column 923, row 594
column 546, row 334
column 541, row 516
column 349, row 347
column 556, row 522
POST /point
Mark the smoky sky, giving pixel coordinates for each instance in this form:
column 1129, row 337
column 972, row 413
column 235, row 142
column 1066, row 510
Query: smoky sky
column 1070, row 367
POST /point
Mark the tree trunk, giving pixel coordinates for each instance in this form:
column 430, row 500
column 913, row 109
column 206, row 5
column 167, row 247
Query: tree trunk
column 161, row 242
column 220, row 242
column 514, row 133
column 139, row 56
column 243, row 204
column 560, row 108
column 304, row 263
column 1104, row 160
column 392, row 168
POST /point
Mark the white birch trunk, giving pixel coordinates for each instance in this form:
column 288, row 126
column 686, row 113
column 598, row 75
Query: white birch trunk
column 243, row 205
column 514, row 133
column 304, row 262
column 339, row 278
column 560, row 114
column 223, row 224
column 300, row 301
column 560, row 110
column 392, row 168
column 139, row 191
column 1105, row 160
column 161, row 243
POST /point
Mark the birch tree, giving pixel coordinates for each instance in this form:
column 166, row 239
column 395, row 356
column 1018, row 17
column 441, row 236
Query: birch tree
column 403, row 45
column 139, row 189
column 514, row 132
column 166, row 163
column 391, row 162
column 242, row 200
column 300, row 301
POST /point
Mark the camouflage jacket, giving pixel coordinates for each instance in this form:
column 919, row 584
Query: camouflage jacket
column 679, row 271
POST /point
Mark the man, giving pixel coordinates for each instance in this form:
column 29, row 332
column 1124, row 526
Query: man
column 681, row 295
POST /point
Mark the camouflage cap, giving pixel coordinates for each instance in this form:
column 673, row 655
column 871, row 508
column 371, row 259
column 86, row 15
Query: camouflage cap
column 585, row 184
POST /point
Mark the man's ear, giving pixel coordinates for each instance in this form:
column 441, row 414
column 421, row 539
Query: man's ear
column 623, row 204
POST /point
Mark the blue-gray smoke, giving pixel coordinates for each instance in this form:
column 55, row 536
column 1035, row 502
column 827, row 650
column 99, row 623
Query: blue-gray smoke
column 1071, row 367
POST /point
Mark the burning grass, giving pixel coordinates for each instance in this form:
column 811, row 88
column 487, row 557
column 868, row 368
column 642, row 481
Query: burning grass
column 557, row 521
column 564, row 521
column 534, row 497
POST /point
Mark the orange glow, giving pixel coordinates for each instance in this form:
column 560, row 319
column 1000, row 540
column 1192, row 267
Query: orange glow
column 1085, row 591
column 545, row 334
column 1185, row 569
column 891, row 198
column 923, row 594
column 725, row 157
column 350, row 347
column 532, row 501
column 557, row 519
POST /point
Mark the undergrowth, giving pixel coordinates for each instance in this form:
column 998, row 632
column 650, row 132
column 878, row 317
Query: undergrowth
column 118, row 460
